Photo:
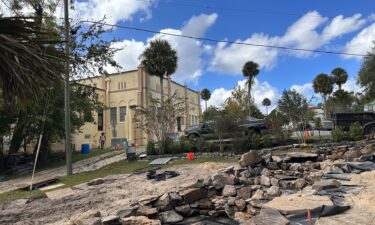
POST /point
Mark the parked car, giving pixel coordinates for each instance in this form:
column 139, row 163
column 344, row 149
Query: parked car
column 206, row 130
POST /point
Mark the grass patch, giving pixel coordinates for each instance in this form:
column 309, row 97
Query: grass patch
column 120, row 167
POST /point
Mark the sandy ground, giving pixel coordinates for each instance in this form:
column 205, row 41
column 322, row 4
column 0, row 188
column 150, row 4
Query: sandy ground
column 85, row 165
column 118, row 192
column 363, row 204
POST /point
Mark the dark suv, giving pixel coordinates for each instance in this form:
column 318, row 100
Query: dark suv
column 206, row 130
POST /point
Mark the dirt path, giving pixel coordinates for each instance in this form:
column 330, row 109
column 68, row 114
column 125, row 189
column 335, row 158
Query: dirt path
column 117, row 192
column 85, row 165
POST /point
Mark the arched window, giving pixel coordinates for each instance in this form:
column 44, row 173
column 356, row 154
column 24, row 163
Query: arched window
column 124, row 85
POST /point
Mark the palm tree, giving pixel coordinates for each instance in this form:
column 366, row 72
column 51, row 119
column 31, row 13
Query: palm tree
column 29, row 58
column 206, row 95
column 266, row 102
column 340, row 76
column 323, row 84
column 250, row 70
column 161, row 60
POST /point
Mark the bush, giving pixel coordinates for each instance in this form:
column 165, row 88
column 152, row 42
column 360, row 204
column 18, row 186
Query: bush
column 338, row 134
column 267, row 141
column 151, row 148
column 355, row 131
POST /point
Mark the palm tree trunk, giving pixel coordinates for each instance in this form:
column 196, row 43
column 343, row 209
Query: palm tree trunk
column 206, row 105
column 161, row 89
column 266, row 110
column 325, row 106
column 249, row 93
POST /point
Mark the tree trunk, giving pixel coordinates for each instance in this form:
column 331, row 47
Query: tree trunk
column 44, row 150
column 325, row 106
column 163, row 132
column 206, row 105
column 266, row 110
column 249, row 93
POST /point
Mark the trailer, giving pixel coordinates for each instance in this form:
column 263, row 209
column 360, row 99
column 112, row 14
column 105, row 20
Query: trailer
column 365, row 119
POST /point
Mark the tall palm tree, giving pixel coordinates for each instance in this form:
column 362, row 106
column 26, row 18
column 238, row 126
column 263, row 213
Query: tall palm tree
column 323, row 84
column 266, row 102
column 340, row 76
column 206, row 95
column 29, row 58
column 159, row 59
column 250, row 70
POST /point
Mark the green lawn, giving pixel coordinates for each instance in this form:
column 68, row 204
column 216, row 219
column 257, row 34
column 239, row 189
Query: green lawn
column 120, row 167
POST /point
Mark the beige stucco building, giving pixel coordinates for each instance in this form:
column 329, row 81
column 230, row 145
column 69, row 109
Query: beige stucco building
column 120, row 92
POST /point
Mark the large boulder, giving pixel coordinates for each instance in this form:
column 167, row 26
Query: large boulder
column 250, row 159
column 325, row 184
column 89, row 221
column 146, row 211
column 267, row 217
column 273, row 191
column 351, row 155
column 185, row 210
column 241, row 217
column 264, row 180
column 139, row 220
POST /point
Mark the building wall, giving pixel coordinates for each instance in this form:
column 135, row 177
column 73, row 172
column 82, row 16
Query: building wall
column 132, row 88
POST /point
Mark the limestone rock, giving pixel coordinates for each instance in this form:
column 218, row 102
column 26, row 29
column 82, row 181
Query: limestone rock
column 274, row 182
column 299, row 184
column 368, row 149
column 241, row 217
column 170, row 217
column 126, row 212
column 146, row 211
column 351, row 155
column 89, row 221
column 297, row 203
column 110, row 220
column 139, row 220
column 272, row 166
column 244, row 192
column 231, row 201
column 325, row 184
column 264, row 180
column 250, row 159
column 273, row 191
column 220, row 180
column 258, row 195
column 241, row 204
column 184, row 210
column 267, row 217
column 163, row 203
column 193, row 194
column 229, row 190
column 296, row 167
column 202, row 204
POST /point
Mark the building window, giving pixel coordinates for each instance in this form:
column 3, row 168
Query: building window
column 179, row 123
column 122, row 113
column 124, row 85
column 100, row 120
column 113, row 115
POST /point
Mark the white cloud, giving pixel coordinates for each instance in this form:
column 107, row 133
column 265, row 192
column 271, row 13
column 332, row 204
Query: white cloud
column 351, row 86
column 259, row 91
column 189, row 51
column 304, row 89
column 115, row 10
column 304, row 33
column 362, row 42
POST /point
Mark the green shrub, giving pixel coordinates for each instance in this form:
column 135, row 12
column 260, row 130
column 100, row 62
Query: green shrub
column 338, row 134
column 151, row 148
column 267, row 141
column 355, row 131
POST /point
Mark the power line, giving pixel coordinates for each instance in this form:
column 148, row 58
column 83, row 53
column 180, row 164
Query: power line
column 224, row 41
column 244, row 10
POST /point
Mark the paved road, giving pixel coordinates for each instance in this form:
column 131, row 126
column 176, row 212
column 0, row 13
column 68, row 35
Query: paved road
column 85, row 165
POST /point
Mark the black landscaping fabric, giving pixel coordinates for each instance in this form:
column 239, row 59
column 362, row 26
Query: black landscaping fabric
column 316, row 213
column 152, row 175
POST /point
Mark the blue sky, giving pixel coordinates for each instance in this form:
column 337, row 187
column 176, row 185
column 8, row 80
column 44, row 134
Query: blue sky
column 340, row 25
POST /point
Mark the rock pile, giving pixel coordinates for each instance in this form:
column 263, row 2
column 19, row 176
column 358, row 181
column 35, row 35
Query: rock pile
column 242, row 192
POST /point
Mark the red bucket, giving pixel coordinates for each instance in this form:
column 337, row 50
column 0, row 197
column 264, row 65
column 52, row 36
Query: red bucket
column 190, row 156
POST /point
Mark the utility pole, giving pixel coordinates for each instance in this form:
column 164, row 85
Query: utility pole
column 68, row 147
